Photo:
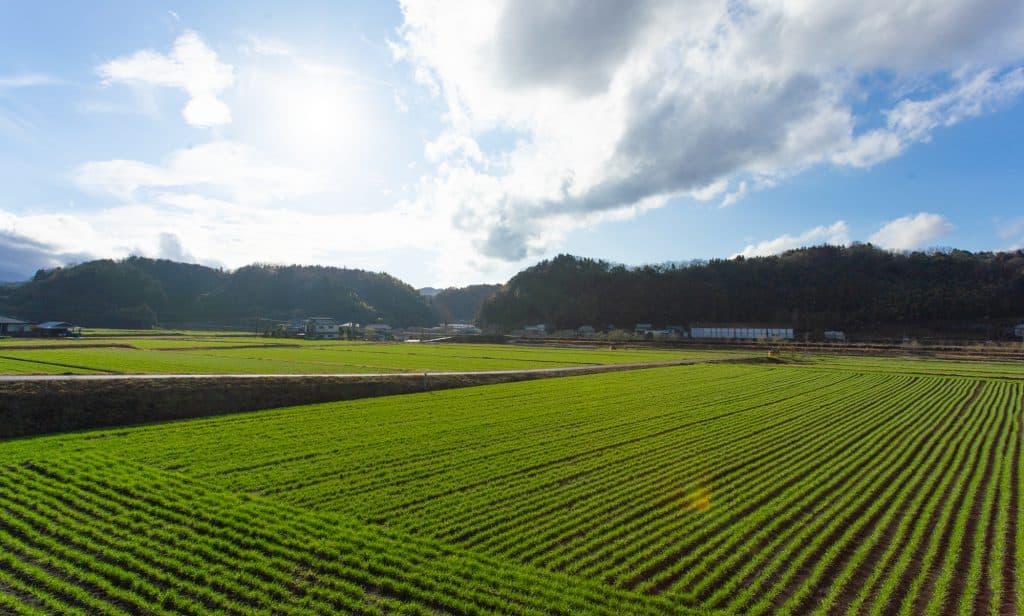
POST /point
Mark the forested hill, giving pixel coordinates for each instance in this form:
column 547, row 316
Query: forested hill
column 140, row 292
column 462, row 304
column 855, row 288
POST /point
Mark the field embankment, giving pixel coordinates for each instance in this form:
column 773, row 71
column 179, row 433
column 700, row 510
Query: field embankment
column 35, row 405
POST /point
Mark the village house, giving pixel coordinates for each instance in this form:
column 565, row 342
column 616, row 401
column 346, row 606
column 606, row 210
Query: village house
column 461, row 329
column 322, row 328
column 539, row 330
column 14, row 327
column 377, row 331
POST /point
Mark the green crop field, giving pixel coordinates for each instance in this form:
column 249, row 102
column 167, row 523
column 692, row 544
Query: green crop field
column 824, row 487
column 214, row 355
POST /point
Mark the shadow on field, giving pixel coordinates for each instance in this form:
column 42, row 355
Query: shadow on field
column 42, row 405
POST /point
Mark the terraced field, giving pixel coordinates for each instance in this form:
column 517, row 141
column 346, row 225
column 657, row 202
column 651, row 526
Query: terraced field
column 734, row 489
column 257, row 356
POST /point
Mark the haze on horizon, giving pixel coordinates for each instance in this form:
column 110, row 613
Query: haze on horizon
column 451, row 143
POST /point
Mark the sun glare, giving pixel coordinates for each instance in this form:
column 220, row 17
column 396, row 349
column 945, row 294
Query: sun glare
column 315, row 120
column 318, row 118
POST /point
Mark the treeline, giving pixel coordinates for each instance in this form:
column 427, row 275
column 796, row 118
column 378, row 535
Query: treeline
column 462, row 304
column 854, row 288
column 858, row 288
column 140, row 293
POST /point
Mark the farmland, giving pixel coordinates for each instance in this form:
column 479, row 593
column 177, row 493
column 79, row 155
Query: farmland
column 222, row 355
column 832, row 488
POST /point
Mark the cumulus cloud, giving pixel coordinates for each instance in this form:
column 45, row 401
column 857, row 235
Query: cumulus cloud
column 277, row 193
column 170, row 248
column 196, row 228
column 191, row 66
column 617, row 103
column 21, row 256
column 837, row 234
column 910, row 232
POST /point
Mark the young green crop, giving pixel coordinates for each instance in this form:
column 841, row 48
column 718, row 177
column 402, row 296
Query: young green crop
column 257, row 356
column 741, row 488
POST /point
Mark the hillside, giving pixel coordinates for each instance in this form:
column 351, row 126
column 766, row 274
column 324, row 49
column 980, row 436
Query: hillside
column 140, row 292
column 855, row 288
column 462, row 304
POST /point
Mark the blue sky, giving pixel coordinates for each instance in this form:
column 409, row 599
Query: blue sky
column 451, row 143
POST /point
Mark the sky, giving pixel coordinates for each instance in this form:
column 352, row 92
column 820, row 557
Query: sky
column 451, row 142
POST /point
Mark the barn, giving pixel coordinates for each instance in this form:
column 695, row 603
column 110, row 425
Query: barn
column 14, row 327
column 57, row 329
column 740, row 331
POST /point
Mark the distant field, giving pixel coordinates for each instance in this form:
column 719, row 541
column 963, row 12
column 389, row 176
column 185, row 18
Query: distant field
column 750, row 489
column 915, row 366
column 217, row 355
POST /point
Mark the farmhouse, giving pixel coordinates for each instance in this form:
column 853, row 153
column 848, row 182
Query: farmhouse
column 834, row 335
column 377, row 331
column 462, row 329
column 15, row 327
column 57, row 329
column 710, row 331
column 291, row 329
column 322, row 328
column 535, row 330
column 585, row 330
column 350, row 330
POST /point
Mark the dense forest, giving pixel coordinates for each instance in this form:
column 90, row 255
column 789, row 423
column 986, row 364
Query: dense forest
column 462, row 304
column 858, row 288
column 139, row 293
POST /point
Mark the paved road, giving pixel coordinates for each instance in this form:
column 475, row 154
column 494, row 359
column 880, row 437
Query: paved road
column 567, row 370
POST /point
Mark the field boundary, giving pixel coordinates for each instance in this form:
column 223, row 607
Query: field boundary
column 44, row 404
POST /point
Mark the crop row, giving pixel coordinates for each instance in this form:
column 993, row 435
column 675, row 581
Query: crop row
column 750, row 489
column 989, row 369
column 83, row 535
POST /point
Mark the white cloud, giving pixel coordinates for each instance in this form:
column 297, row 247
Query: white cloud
column 913, row 121
column 837, row 234
column 1012, row 232
column 190, row 66
column 910, row 232
column 194, row 227
column 615, row 103
column 276, row 192
column 170, row 248
column 226, row 168
column 28, row 80
column 266, row 46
